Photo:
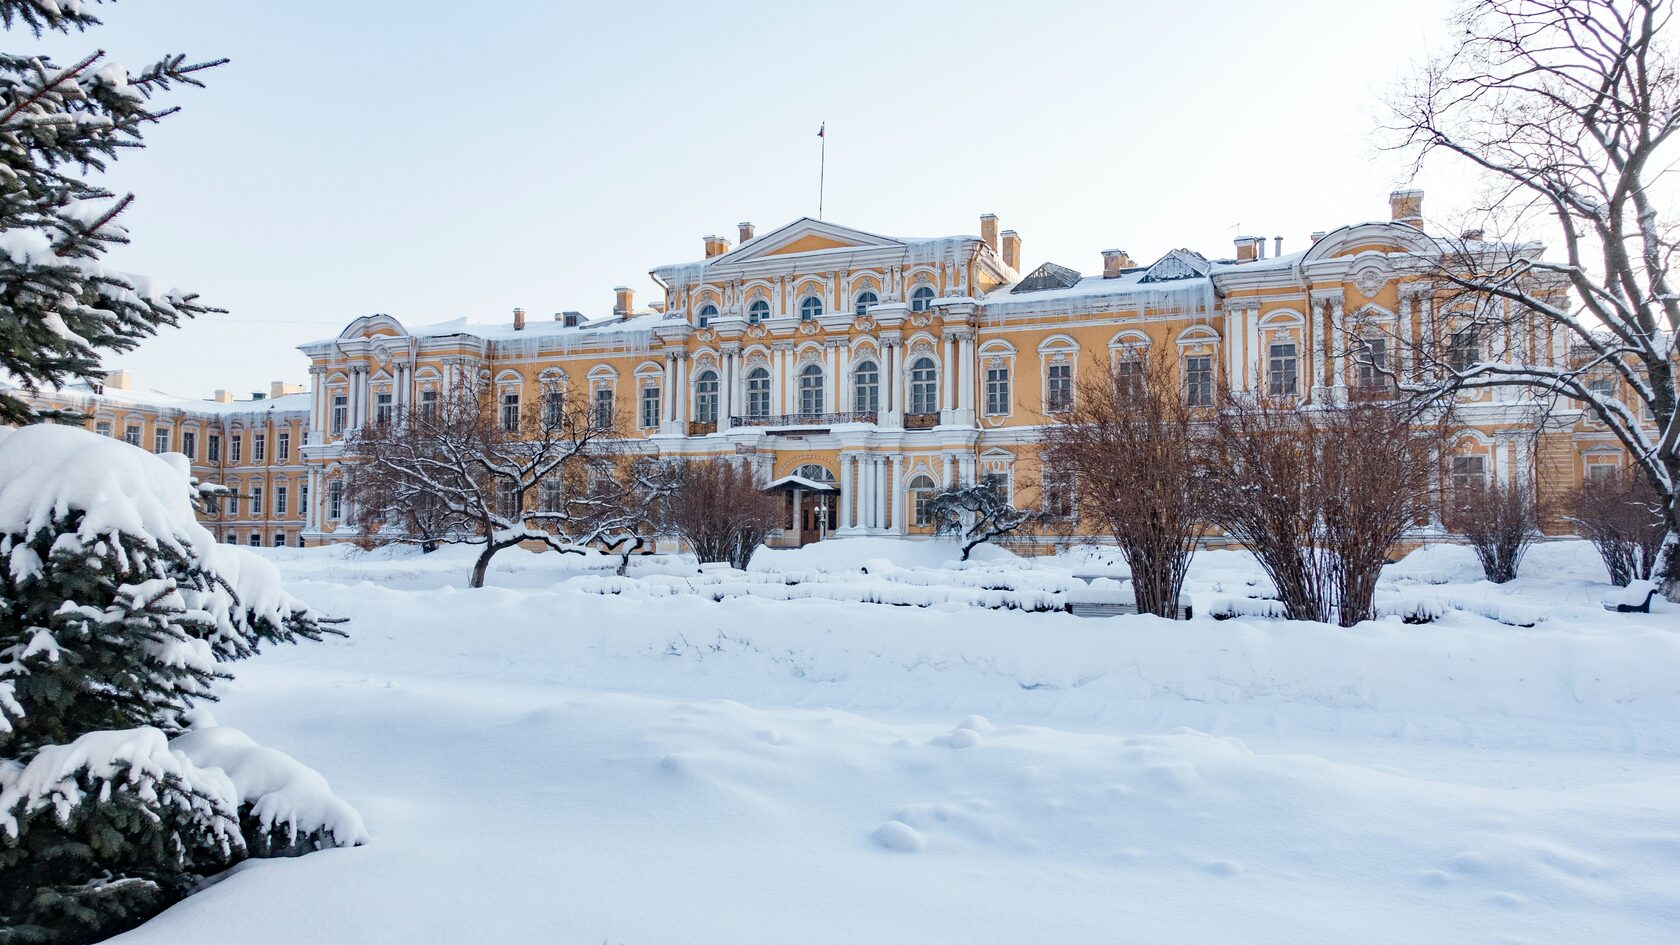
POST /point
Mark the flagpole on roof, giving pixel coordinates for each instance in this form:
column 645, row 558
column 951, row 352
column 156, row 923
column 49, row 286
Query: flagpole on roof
column 822, row 166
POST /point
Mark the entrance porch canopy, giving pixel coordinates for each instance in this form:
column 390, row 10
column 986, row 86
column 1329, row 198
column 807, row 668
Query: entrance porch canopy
column 790, row 482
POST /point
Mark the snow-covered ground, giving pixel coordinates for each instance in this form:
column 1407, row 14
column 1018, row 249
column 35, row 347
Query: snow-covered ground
column 787, row 756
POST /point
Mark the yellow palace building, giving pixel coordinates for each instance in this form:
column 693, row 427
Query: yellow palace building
column 863, row 372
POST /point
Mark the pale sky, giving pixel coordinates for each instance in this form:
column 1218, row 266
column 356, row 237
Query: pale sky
column 430, row 161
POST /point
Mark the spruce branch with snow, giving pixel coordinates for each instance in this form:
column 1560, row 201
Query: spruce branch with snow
column 1568, row 111
column 61, row 127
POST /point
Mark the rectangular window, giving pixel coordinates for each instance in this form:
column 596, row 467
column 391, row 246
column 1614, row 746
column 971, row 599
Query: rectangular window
column 1464, row 351
column 1599, row 472
column 1128, row 375
column 1468, row 472
column 998, row 482
column 650, row 406
column 259, row 448
column 279, row 539
column 428, row 404
column 383, row 408
column 303, row 496
column 335, row 501
column 233, row 501
column 340, row 414
column 866, row 388
column 255, row 541
column 507, row 499
column 283, row 446
column 1058, row 389
column 235, row 448
column 604, row 408
column 510, row 413
column 1058, row 495
column 189, row 444
column 213, row 447
column 103, row 428
column 256, row 502
column 1281, row 368
column 131, row 436
column 551, row 495
column 554, row 407
column 160, row 440
column 997, row 391
column 280, row 500
column 1371, row 354
column 1198, row 380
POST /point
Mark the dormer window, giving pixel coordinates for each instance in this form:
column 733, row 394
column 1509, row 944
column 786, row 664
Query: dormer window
column 866, row 301
column 810, row 308
column 708, row 313
column 921, row 298
column 758, row 310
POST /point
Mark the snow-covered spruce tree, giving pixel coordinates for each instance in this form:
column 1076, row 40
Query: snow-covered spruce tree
column 60, row 308
column 116, row 608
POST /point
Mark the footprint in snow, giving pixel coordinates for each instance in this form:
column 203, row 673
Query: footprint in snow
column 900, row 836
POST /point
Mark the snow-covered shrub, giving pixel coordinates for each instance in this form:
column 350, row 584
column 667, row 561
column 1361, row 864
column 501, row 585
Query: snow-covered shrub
column 116, row 610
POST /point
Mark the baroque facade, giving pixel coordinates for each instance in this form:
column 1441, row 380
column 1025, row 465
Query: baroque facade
column 860, row 373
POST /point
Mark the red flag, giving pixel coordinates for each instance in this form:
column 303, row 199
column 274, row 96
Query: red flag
column 822, row 131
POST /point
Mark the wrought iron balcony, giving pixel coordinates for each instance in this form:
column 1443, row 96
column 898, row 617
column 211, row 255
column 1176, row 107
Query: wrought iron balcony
column 804, row 419
column 701, row 427
column 921, row 421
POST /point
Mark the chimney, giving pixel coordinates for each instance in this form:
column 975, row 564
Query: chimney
column 1315, row 237
column 1247, row 248
column 1260, row 246
column 1115, row 262
column 277, row 389
column 1406, row 206
column 625, row 300
column 716, row 246
column 746, row 231
column 1473, row 235
column 222, row 397
column 1012, row 249
column 119, row 380
column 1277, row 246
column 518, row 319
column 988, row 230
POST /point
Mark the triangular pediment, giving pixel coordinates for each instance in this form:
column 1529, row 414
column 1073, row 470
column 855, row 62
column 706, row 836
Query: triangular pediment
column 804, row 235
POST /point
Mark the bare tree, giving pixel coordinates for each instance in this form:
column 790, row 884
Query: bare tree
column 1322, row 493
column 975, row 513
column 1569, row 110
column 721, row 510
column 1133, row 449
column 1500, row 520
column 1623, row 518
column 471, row 470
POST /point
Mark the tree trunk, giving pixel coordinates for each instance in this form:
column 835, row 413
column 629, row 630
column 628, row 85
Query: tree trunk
column 1667, row 572
column 482, row 565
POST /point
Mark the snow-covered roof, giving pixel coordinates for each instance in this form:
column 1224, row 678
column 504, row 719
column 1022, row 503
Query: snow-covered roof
column 534, row 328
column 793, row 481
column 162, row 400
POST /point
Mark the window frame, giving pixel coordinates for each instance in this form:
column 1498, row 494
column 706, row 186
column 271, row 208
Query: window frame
column 758, row 392
column 921, row 298
column 810, row 308
column 706, row 396
column 870, row 368
column 1280, row 367
column 1198, row 380
column 924, row 390
column 811, row 384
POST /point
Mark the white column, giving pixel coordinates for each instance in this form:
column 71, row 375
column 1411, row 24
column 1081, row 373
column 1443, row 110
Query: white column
column 965, row 375
column 1338, row 344
column 845, row 491
column 948, row 376
column 948, row 463
column 896, row 486
column 1312, row 357
column 667, row 386
column 882, row 492
column 682, row 393
column 1403, row 358
column 831, row 383
column 1256, row 357
column 846, row 396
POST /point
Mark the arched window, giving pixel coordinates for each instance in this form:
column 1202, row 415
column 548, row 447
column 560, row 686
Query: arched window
column 810, row 308
column 866, row 387
column 924, row 387
column 758, row 310
column 921, row 490
column 706, row 397
column 758, row 392
column 708, row 314
column 815, row 472
column 921, row 298
column 810, row 390
column 865, row 301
